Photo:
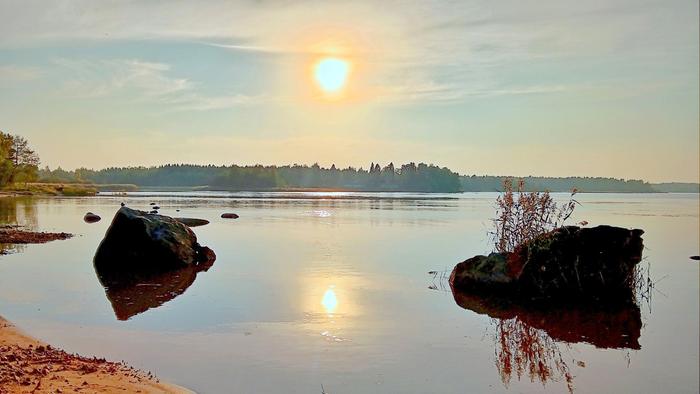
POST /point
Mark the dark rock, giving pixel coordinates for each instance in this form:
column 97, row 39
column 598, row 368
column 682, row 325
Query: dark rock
column 229, row 216
column 91, row 218
column 152, row 203
column 122, row 204
column 153, row 212
column 695, row 257
column 155, row 207
column 192, row 222
column 568, row 262
column 139, row 243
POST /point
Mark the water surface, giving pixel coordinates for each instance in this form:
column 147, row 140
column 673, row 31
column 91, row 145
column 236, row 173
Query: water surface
column 332, row 289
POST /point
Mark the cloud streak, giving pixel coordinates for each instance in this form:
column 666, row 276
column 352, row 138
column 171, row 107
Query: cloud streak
column 15, row 73
column 143, row 81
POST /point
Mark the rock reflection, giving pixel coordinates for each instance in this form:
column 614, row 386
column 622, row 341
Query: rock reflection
column 131, row 294
column 527, row 337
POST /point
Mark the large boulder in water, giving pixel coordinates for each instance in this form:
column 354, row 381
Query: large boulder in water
column 570, row 261
column 139, row 243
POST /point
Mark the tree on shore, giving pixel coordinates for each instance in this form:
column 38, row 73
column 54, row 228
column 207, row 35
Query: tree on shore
column 18, row 162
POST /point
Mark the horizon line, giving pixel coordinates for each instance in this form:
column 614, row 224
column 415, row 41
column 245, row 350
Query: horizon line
column 696, row 182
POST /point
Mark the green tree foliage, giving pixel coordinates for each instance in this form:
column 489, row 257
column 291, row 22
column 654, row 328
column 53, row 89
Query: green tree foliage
column 5, row 163
column 18, row 162
column 410, row 177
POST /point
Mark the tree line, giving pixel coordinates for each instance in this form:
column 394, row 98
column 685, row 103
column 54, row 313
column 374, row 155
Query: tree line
column 18, row 162
column 490, row 183
column 409, row 177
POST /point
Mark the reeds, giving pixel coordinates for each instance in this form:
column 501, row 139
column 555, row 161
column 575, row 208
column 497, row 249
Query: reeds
column 522, row 216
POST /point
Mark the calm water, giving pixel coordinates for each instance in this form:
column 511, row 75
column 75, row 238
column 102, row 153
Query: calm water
column 332, row 289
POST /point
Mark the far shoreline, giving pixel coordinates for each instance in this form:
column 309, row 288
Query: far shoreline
column 87, row 189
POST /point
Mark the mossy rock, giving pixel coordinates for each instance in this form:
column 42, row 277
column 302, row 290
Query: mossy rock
column 568, row 262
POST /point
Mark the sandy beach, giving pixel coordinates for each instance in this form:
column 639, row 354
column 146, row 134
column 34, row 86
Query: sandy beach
column 28, row 365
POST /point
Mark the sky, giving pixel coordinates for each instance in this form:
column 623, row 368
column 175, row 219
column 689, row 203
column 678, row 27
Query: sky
column 548, row 88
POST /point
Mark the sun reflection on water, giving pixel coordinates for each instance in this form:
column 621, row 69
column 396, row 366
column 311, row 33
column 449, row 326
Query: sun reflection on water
column 329, row 300
column 330, row 305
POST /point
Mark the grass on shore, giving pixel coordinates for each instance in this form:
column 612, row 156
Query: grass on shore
column 64, row 189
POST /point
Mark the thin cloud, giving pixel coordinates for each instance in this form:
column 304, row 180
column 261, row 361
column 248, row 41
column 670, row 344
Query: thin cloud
column 144, row 81
column 15, row 73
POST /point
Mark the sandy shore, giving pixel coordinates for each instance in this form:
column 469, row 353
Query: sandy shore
column 28, row 365
column 31, row 366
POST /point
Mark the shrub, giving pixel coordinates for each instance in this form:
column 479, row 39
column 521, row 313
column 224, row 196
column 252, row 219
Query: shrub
column 522, row 216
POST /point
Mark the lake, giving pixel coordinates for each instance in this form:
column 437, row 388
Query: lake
column 331, row 291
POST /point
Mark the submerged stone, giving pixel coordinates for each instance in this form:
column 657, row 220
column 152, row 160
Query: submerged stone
column 192, row 222
column 567, row 262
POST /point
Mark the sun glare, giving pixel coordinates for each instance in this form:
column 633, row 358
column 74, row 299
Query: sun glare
column 331, row 74
column 329, row 301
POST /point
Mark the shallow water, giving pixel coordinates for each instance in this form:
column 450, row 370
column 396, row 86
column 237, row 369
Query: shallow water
column 332, row 290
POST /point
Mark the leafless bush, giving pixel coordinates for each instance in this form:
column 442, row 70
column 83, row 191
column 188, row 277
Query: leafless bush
column 521, row 215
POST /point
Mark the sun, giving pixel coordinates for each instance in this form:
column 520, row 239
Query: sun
column 331, row 74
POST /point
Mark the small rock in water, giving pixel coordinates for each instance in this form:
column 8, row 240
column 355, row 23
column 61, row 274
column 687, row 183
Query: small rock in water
column 91, row 218
column 154, row 211
column 153, row 203
column 156, row 207
column 695, row 257
column 122, row 204
column 192, row 222
column 229, row 216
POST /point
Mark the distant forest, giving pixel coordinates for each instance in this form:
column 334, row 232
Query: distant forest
column 409, row 177
column 476, row 183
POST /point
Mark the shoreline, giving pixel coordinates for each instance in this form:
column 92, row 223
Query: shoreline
column 28, row 365
column 96, row 190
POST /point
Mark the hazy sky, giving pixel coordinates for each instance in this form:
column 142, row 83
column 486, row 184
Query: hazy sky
column 593, row 88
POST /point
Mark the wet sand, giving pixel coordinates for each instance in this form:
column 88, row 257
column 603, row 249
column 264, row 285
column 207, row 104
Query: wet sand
column 28, row 365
